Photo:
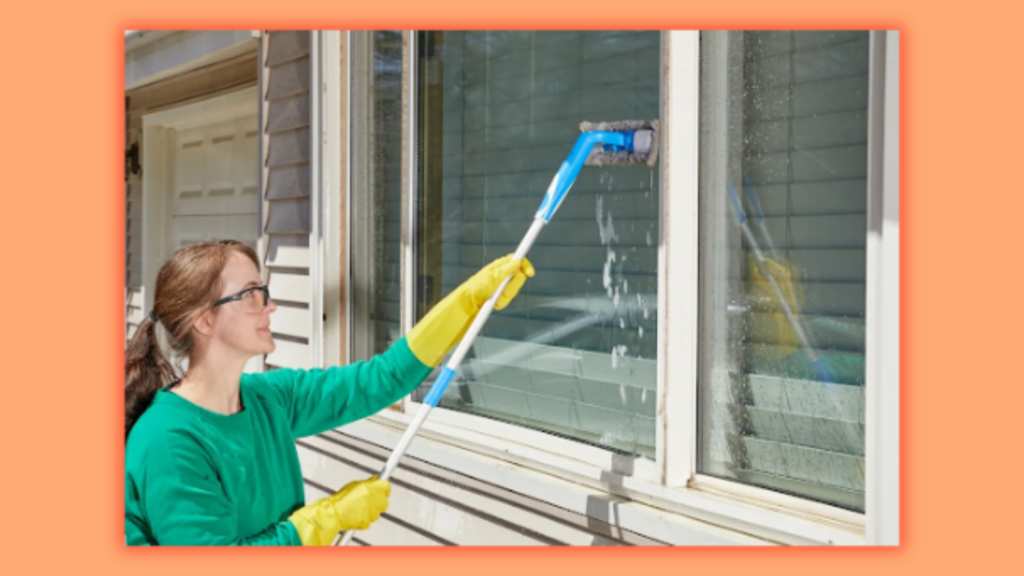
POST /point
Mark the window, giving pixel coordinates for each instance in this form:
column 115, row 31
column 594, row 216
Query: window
column 497, row 113
column 783, row 193
column 751, row 336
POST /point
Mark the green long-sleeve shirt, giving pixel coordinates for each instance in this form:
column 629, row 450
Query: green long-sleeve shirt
column 195, row 477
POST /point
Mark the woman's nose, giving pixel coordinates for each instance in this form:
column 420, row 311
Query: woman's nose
column 271, row 306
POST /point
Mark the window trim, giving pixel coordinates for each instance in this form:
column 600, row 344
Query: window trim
column 671, row 481
column 410, row 79
column 316, row 170
column 330, row 179
column 882, row 409
column 750, row 513
column 346, row 220
column 678, row 259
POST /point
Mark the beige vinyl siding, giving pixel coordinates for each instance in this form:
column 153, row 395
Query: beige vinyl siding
column 287, row 190
column 433, row 506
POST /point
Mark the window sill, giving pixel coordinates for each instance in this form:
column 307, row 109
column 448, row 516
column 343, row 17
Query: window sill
column 708, row 512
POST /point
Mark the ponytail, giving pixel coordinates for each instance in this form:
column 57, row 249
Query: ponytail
column 187, row 284
column 145, row 372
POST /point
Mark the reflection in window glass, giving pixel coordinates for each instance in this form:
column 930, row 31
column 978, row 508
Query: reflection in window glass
column 498, row 112
column 784, row 144
column 376, row 188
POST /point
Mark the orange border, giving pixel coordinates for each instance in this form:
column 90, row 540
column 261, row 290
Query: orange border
column 63, row 224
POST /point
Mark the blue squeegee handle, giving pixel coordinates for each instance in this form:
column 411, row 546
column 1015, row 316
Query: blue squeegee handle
column 556, row 192
column 567, row 173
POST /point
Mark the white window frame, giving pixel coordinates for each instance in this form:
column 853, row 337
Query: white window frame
column 326, row 258
column 671, row 482
column 883, row 294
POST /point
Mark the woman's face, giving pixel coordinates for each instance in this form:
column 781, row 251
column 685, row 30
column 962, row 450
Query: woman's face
column 237, row 324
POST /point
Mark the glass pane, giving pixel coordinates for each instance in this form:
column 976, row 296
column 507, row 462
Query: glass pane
column 376, row 183
column 498, row 112
column 783, row 162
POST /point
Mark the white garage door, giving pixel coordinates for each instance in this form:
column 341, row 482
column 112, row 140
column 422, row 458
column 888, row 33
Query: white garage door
column 215, row 183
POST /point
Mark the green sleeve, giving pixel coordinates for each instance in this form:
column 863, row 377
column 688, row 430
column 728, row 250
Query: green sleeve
column 186, row 506
column 319, row 400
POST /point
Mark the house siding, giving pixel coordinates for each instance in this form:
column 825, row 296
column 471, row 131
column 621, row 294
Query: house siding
column 287, row 194
column 431, row 505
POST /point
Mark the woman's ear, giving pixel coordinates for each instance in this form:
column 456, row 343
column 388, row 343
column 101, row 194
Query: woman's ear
column 203, row 323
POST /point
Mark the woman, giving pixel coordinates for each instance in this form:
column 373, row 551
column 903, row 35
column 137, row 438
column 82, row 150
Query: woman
column 210, row 458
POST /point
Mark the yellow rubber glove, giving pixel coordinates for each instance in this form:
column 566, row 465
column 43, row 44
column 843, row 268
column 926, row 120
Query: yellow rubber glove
column 447, row 322
column 354, row 507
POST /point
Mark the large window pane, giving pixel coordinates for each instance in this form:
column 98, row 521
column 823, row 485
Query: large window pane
column 498, row 112
column 784, row 135
column 376, row 184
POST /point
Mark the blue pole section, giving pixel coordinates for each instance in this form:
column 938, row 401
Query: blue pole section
column 439, row 385
column 566, row 176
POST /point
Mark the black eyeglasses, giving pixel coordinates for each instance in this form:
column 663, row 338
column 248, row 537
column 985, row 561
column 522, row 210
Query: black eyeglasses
column 250, row 301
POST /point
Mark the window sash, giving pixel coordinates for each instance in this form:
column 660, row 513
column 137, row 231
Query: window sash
column 411, row 233
column 615, row 463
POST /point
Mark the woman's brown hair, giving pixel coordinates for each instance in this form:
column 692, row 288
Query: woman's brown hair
column 187, row 285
